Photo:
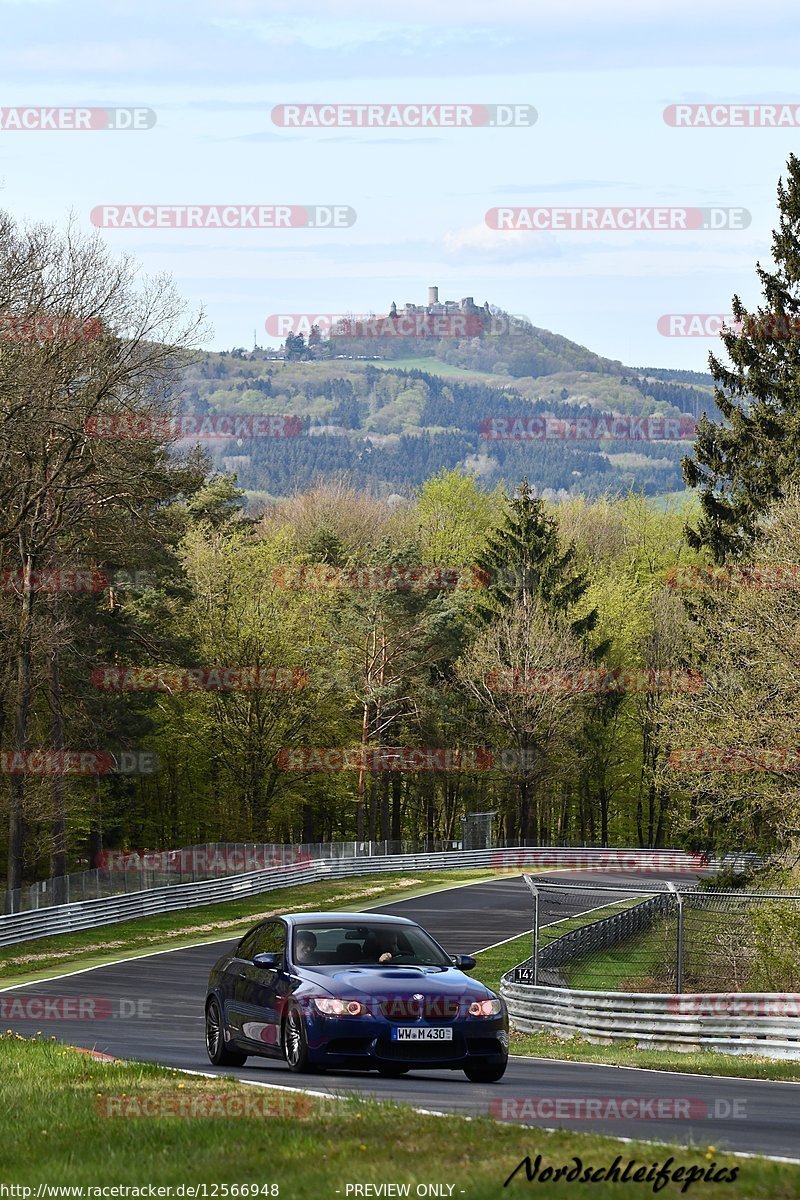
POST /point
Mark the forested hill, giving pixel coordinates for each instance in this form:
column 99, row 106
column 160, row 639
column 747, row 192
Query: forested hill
column 388, row 423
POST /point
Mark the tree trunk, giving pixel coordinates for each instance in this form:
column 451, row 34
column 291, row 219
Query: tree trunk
column 95, row 840
column 16, row 815
column 58, row 848
column 397, row 797
column 362, row 769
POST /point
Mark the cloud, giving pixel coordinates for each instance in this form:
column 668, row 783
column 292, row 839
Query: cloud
column 265, row 136
column 148, row 42
column 567, row 185
column 510, row 246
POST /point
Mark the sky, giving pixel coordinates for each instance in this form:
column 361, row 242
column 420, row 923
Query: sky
column 599, row 76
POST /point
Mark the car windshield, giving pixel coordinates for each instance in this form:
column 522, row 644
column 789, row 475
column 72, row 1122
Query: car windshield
column 320, row 945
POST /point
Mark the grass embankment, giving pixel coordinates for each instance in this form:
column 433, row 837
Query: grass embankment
column 44, row 957
column 493, row 964
column 61, row 1135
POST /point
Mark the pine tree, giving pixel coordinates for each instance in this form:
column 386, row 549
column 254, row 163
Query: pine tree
column 743, row 466
column 524, row 563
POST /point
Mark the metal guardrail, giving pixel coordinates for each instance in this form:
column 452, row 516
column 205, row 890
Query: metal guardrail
column 123, row 872
column 762, row 1023
column 90, row 914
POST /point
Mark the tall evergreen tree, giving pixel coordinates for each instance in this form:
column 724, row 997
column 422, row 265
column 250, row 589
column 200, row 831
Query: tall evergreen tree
column 742, row 466
column 524, row 563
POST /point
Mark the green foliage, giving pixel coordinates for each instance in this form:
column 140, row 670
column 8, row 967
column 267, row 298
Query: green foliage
column 744, row 465
column 775, row 966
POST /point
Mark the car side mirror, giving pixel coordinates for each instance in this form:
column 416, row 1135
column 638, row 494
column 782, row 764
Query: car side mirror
column 465, row 962
column 267, row 962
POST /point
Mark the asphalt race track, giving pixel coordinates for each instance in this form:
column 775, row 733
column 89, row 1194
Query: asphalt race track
column 155, row 1012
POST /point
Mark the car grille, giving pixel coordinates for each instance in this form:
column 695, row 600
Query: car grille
column 430, row 1008
column 420, row 1051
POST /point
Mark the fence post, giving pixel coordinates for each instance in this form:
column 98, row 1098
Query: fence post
column 535, row 955
column 679, row 947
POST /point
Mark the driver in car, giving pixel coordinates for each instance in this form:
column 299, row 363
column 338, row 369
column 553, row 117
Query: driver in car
column 305, row 943
column 391, row 948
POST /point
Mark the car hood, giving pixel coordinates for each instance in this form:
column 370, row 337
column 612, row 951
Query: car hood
column 447, row 982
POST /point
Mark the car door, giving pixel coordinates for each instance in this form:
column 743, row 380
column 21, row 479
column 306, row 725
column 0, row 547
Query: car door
column 260, row 993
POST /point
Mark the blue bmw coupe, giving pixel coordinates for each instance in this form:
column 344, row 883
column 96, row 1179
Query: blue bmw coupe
column 354, row 991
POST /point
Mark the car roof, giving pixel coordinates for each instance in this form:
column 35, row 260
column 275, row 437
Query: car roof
column 345, row 918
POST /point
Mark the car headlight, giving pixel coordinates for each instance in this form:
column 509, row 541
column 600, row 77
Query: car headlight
column 331, row 1007
column 486, row 1008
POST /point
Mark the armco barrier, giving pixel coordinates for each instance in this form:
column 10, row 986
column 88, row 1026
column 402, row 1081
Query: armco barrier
column 766, row 1024
column 89, row 914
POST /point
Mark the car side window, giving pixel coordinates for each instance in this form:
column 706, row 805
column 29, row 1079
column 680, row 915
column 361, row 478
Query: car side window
column 273, row 938
column 264, row 939
column 247, row 946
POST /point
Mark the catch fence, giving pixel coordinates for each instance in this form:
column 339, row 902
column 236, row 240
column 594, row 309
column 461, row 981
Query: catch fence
column 662, row 938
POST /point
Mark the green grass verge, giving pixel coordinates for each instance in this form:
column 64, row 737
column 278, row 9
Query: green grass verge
column 625, row 1054
column 61, row 1135
column 41, row 958
column 493, row 964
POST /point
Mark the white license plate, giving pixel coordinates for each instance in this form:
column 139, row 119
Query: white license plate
column 414, row 1033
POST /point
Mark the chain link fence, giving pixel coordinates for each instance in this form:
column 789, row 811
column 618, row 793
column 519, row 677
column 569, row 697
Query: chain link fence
column 121, row 872
column 662, row 938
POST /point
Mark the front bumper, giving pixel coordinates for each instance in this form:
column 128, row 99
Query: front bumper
column 364, row 1043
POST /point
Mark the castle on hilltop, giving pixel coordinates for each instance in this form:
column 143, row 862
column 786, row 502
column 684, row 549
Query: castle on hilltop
column 446, row 307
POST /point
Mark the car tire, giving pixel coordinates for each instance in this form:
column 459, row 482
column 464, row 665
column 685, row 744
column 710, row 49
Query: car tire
column 392, row 1070
column 217, row 1051
column 295, row 1043
column 484, row 1072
